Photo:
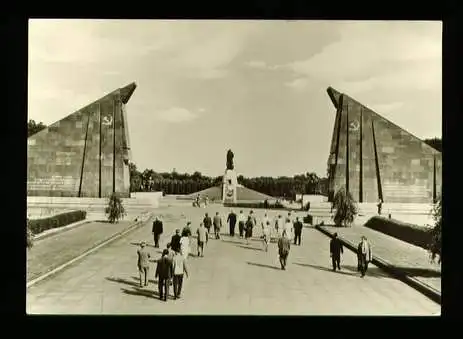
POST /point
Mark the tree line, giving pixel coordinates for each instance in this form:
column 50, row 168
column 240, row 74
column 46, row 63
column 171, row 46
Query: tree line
column 184, row 183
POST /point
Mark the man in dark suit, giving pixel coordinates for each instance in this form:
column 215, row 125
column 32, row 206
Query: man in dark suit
column 297, row 231
column 157, row 231
column 175, row 241
column 207, row 221
column 232, row 222
column 164, row 272
column 335, row 252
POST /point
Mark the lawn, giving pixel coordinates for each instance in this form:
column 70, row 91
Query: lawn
column 53, row 251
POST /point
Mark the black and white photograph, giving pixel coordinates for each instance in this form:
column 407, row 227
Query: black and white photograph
column 234, row 167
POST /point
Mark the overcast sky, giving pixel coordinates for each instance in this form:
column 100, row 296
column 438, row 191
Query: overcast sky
column 257, row 87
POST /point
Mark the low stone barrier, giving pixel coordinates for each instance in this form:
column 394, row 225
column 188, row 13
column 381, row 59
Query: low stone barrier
column 425, row 289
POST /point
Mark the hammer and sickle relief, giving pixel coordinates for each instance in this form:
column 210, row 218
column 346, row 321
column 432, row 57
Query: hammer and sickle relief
column 107, row 120
column 354, row 125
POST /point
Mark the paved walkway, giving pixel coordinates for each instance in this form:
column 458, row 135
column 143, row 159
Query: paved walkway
column 413, row 260
column 232, row 278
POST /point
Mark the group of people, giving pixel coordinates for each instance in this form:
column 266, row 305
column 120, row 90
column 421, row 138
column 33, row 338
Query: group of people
column 172, row 266
column 197, row 201
column 364, row 254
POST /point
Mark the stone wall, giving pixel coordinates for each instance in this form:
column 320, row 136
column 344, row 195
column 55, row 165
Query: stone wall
column 374, row 158
column 85, row 154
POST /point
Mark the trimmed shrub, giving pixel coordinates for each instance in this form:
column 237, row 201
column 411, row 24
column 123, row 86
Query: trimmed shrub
column 435, row 245
column 346, row 208
column 115, row 209
column 415, row 235
column 29, row 236
column 308, row 219
column 37, row 226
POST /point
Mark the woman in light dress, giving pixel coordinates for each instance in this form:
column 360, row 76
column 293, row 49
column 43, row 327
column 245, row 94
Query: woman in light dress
column 185, row 246
column 266, row 233
column 288, row 229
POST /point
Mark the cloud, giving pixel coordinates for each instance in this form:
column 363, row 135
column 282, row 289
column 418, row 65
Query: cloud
column 298, row 84
column 387, row 107
column 256, row 64
column 376, row 54
column 202, row 109
column 176, row 115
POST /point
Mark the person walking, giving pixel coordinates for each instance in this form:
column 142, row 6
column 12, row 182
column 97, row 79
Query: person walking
column 207, row 222
column 157, row 231
column 143, row 263
column 288, row 228
column 241, row 223
column 279, row 226
column 284, row 245
column 164, row 273
column 364, row 255
column 336, row 250
column 202, row 238
column 217, row 225
column 380, row 206
column 185, row 246
column 254, row 220
column 187, row 230
column 171, row 252
column 297, row 231
column 179, row 268
column 232, row 222
column 266, row 233
column 175, row 241
column 265, row 219
column 248, row 228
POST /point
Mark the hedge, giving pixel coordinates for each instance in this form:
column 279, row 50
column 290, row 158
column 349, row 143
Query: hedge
column 255, row 205
column 308, row 219
column 418, row 236
column 60, row 220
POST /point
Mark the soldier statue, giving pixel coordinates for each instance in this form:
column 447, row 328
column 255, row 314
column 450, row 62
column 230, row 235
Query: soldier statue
column 230, row 160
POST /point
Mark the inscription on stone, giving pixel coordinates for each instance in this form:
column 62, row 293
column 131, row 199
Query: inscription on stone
column 53, row 183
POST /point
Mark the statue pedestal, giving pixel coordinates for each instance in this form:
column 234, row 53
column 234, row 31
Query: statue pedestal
column 229, row 186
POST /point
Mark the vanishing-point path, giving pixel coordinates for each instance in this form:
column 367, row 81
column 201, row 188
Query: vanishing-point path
column 232, row 278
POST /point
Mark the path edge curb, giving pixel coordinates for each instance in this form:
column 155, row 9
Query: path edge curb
column 88, row 252
column 421, row 287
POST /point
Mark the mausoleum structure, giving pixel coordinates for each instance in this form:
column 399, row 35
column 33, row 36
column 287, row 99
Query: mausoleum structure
column 86, row 154
column 376, row 159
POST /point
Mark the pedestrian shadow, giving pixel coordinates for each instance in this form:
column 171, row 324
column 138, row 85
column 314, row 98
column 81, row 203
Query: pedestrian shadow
column 322, row 268
column 140, row 292
column 124, row 281
column 263, row 265
column 420, row 272
column 372, row 271
column 231, row 241
column 149, row 280
column 250, row 248
column 138, row 244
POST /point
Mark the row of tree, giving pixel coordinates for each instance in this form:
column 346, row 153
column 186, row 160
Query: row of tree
column 178, row 183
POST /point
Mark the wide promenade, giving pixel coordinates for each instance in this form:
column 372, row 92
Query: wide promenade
column 232, row 278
